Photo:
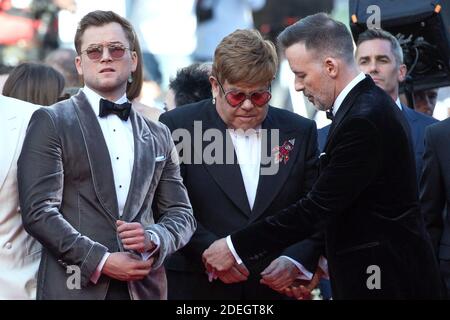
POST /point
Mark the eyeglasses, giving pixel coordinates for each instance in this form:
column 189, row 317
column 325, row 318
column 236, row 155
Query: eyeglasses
column 95, row 52
column 236, row 98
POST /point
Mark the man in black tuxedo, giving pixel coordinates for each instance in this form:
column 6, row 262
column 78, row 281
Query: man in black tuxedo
column 435, row 193
column 379, row 54
column 365, row 198
column 241, row 184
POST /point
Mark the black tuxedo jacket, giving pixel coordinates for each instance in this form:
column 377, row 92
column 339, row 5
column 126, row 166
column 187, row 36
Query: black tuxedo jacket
column 366, row 201
column 220, row 203
column 435, row 192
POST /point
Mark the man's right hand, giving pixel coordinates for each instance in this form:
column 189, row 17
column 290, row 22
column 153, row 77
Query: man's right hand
column 125, row 266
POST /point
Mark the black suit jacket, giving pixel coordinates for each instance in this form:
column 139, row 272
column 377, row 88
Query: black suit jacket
column 366, row 201
column 417, row 122
column 220, row 203
column 435, row 186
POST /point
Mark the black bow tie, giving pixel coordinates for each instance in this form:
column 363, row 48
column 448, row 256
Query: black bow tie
column 121, row 110
column 329, row 113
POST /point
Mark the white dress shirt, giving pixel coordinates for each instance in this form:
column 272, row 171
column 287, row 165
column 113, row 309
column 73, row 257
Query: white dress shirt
column 118, row 136
column 247, row 145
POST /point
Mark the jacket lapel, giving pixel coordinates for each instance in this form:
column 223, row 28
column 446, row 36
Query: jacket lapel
column 98, row 155
column 346, row 106
column 227, row 176
column 9, row 142
column 269, row 185
column 143, row 166
column 411, row 119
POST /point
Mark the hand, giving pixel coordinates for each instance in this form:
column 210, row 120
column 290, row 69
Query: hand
column 134, row 237
column 125, row 266
column 280, row 274
column 301, row 289
column 237, row 273
column 218, row 257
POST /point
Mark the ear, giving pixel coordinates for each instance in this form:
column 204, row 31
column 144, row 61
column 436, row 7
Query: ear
column 134, row 61
column 401, row 75
column 78, row 65
column 214, row 86
column 331, row 67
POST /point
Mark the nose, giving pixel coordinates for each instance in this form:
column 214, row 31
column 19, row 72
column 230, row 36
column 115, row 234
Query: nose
column 299, row 86
column 106, row 56
column 372, row 67
column 247, row 104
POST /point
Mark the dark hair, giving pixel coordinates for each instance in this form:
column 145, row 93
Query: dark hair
column 99, row 18
column 63, row 60
column 373, row 34
column 191, row 84
column 244, row 56
column 35, row 83
column 320, row 33
column 134, row 88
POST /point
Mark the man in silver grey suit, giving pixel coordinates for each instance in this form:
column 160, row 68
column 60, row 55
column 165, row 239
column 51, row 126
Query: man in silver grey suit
column 19, row 253
column 89, row 171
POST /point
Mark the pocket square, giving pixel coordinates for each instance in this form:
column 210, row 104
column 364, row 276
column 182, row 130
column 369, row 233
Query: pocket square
column 160, row 158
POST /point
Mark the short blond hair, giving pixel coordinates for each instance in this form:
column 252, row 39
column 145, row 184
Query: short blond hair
column 244, row 56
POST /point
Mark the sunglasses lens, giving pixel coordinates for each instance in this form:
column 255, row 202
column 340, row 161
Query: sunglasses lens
column 94, row 53
column 261, row 98
column 116, row 52
column 235, row 98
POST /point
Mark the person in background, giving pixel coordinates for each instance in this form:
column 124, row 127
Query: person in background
column 218, row 18
column 435, row 193
column 190, row 85
column 425, row 101
column 63, row 60
column 35, row 83
column 19, row 253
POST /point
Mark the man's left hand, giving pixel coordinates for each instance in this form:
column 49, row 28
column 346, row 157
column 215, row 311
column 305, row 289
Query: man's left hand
column 134, row 237
column 218, row 257
column 280, row 274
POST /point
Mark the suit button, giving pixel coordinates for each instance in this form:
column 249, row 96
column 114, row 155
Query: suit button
column 8, row 245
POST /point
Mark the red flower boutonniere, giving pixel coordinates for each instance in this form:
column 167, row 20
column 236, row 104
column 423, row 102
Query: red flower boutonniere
column 282, row 153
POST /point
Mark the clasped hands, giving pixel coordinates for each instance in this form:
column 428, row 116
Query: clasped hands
column 281, row 275
column 128, row 266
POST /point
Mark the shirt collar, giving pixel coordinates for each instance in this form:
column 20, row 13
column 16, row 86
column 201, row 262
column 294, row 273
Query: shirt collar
column 340, row 98
column 94, row 99
column 398, row 103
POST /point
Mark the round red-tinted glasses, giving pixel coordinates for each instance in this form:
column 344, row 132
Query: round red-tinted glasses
column 95, row 52
column 236, row 98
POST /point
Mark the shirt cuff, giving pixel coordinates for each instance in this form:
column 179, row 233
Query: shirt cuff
column 98, row 271
column 323, row 264
column 304, row 273
column 233, row 252
column 156, row 241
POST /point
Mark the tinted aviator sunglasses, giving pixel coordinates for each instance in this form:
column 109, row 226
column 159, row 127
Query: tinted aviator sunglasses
column 116, row 51
column 236, row 98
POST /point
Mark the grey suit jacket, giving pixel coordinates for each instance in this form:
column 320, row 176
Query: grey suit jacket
column 68, row 200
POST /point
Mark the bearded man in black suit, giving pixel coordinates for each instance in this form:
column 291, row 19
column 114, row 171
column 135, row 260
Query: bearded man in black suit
column 365, row 198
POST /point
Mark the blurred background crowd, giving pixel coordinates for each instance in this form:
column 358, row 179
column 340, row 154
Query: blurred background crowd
column 173, row 34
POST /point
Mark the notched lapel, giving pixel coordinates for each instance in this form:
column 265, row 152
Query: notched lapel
column 143, row 166
column 98, row 155
column 270, row 185
column 347, row 105
column 227, row 176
